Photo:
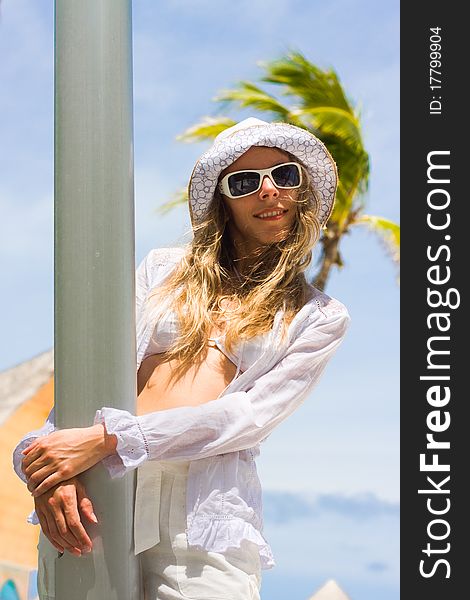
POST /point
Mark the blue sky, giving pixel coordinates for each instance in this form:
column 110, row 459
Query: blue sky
column 338, row 454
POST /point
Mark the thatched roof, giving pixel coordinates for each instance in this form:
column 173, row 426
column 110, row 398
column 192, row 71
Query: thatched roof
column 26, row 397
column 330, row 591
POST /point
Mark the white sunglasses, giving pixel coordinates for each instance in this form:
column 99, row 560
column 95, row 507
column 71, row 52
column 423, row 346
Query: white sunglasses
column 243, row 183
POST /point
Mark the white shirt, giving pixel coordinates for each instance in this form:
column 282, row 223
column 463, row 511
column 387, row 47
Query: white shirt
column 221, row 438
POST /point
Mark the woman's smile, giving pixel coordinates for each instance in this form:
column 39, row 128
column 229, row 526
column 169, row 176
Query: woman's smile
column 272, row 215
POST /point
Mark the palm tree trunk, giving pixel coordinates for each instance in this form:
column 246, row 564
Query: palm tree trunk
column 330, row 256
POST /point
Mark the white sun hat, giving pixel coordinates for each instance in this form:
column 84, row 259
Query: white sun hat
column 234, row 141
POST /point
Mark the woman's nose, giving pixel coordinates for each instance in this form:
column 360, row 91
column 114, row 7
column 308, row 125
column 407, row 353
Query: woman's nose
column 268, row 189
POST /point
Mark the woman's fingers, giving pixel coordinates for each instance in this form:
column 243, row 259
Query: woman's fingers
column 40, row 466
column 36, row 478
column 33, row 469
column 61, row 518
column 45, row 529
column 29, row 448
column 85, row 503
column 58, row 539
column 34, row 452
column 63, row 525
column 48, row 483
column 74, row 523
column 42, row 479
column 46, row 478
column 69, row 503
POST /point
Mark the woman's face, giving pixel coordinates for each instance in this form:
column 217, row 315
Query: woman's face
column 246, row 226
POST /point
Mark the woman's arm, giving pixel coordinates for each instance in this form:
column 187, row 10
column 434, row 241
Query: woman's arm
column 233, row 422
column 236, row 421
column 142, row 285
column 57, row 511
column 27, row 440
column 64, row 454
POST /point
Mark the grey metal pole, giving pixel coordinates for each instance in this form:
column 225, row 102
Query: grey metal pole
column 94, row 270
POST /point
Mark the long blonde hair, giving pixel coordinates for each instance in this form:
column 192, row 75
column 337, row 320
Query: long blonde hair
column 275, row 280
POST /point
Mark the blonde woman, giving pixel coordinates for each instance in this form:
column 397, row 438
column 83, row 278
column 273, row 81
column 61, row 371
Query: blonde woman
column 231, row 339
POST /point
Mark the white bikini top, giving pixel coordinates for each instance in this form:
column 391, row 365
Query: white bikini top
column 242, row 356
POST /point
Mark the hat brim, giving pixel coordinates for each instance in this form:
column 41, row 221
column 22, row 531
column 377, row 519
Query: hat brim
column 301, row 143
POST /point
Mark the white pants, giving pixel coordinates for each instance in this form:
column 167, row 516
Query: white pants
column 171, row 570
column 47, row 556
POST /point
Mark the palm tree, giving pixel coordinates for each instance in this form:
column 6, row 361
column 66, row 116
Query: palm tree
column 317, row 102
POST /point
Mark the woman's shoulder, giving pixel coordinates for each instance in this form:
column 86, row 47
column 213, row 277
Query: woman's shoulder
column 157, row 264
column 161, row 257
column 326, row 305
column 322, row 320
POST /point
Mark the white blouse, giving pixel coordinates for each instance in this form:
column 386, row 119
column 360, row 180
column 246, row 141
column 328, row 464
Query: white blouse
column 242, row 355
column 221, row 438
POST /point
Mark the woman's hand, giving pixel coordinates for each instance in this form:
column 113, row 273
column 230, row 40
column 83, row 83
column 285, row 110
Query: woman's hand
column 59, row 516
column 63, row 454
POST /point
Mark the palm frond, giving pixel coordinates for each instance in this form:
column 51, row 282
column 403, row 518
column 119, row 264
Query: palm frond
column 334, row 121
column 178, row 199
column 207, row 129
column 353, row 170
column 249, row 95
column 387, row 230
column 304, row 80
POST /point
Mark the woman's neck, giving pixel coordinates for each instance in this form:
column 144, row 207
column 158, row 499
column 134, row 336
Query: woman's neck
column 245, row 260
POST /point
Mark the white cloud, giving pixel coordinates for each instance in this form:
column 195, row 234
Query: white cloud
column 284, row 507
column 332, row 545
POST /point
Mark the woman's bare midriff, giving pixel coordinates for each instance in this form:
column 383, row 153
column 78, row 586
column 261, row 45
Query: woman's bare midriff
column 197, row 386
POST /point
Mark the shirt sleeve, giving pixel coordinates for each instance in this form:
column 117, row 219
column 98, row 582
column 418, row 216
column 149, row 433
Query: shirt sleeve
column 142, row 280
column 27, row 439
column 142, row 285
column 142, row 274
column 236, row 421
column 48, row 427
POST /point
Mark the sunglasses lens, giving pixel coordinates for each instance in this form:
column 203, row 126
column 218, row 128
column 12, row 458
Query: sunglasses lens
column 286, row 176
column 247, row 182
column 243, row 183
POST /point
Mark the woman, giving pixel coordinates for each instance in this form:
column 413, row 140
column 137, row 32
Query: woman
column 230, row 341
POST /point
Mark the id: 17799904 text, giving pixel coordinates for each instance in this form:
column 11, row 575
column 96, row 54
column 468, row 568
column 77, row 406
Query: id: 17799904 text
column 435, row 73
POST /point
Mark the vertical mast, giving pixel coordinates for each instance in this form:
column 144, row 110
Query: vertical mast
column 94, row 270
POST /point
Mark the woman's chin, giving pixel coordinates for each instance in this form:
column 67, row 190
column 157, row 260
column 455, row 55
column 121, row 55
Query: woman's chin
column 272, row 237
column 256, row 239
